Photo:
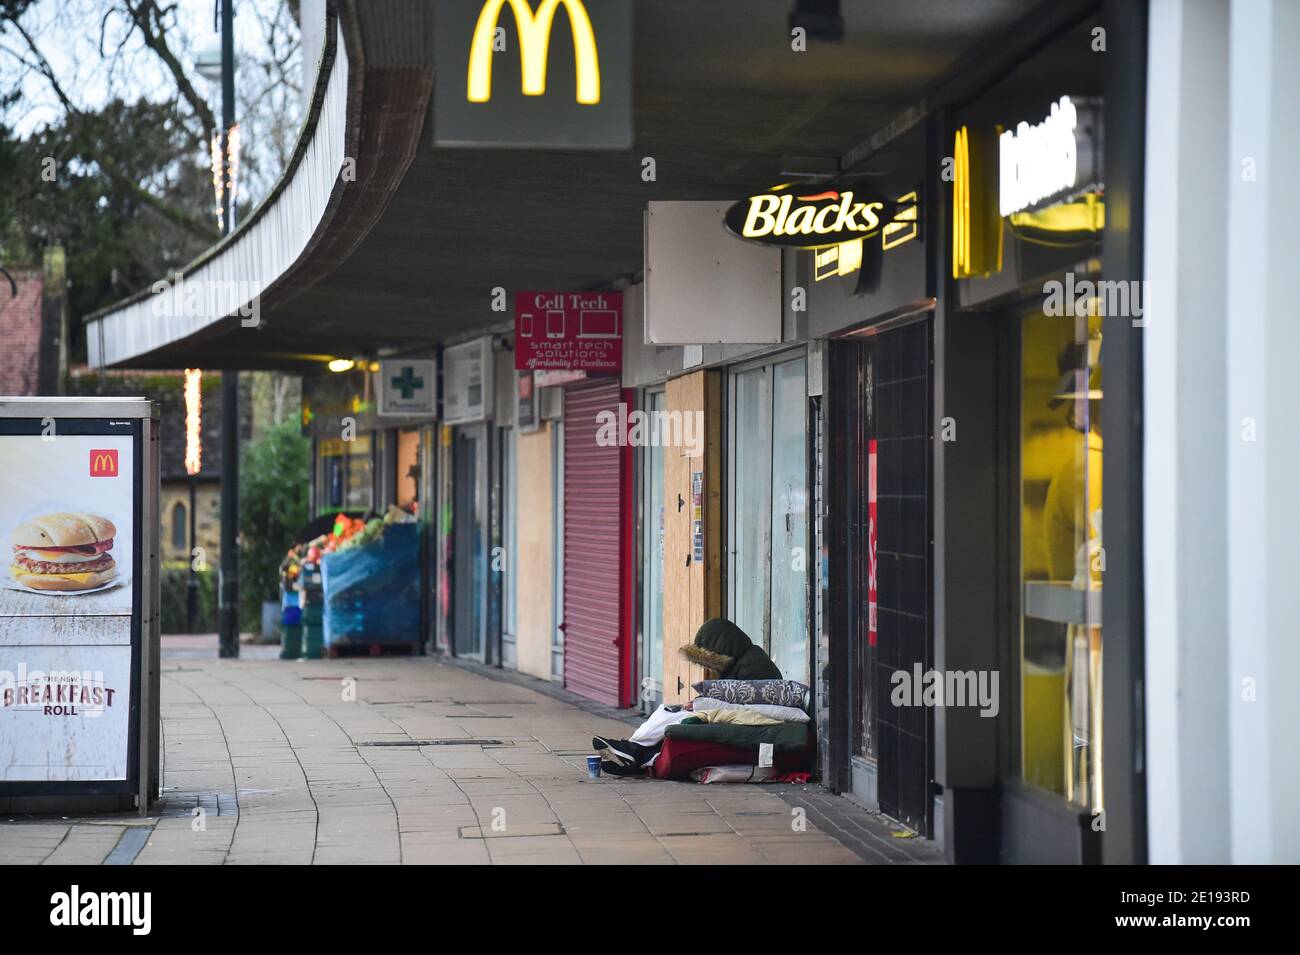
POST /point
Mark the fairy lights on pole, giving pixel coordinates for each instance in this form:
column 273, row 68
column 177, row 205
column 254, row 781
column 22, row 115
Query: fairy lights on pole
column 231, row 179
column 193, row 421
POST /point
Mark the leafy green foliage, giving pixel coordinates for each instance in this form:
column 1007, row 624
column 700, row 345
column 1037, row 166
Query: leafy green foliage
column 175, row 587
column 274, row 481
column 123, row 225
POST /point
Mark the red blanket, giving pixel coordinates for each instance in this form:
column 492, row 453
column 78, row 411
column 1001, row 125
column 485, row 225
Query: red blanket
column 678, row 757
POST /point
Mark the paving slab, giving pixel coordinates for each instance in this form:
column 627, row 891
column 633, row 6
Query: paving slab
column 275, row 762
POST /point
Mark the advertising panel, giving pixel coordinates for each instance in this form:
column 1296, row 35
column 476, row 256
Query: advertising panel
column 70, row 494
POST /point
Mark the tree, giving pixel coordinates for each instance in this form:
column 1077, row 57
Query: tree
column 131, row 196
column 273, row 507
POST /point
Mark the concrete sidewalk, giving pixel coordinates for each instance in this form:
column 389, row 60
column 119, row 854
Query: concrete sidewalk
column 318, row 762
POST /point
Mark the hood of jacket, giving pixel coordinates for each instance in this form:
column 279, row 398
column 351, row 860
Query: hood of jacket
column 718, row 645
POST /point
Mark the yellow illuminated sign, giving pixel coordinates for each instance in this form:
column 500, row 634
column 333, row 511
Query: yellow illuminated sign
column 777, row 216
column 534, row 48
column 976, row 226
column 842, row 259
column 904, row 226
column 1087, row 214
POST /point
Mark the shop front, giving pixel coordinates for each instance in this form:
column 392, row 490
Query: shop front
column 597, row 531
column 568, row 352
column 1029, row 319
column 371, row 423
column 470, row 499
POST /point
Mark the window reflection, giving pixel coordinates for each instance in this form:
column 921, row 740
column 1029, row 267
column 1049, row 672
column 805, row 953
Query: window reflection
column 1062, row 559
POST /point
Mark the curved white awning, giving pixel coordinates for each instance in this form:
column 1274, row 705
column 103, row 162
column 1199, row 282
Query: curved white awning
column 231, row 277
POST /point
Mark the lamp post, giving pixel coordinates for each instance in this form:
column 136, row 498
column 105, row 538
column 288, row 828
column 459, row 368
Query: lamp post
column 223, row 178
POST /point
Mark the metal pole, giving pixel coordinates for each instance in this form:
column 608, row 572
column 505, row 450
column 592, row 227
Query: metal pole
column 192, row 589
column 228, row 600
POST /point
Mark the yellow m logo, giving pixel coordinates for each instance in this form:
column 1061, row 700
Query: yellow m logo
column 534, row 46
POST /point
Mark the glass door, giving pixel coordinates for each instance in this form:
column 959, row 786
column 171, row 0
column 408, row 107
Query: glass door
column 768, row 511
column 751, row 507
column 788, row 642
column 469, row 530
column 652, row 549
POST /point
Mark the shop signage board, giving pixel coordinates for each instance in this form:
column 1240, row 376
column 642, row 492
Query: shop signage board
column 569, row 331
column 810, row 215
column 469, row 380
column 408, row 387
column 78, row 638
column 702, row 287
column 1050, row 160
column 533, row 73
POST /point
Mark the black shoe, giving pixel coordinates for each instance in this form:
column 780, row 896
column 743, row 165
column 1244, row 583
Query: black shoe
column 619, row 751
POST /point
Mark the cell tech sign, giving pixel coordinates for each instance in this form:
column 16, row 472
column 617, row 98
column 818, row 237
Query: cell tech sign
column 810, row 216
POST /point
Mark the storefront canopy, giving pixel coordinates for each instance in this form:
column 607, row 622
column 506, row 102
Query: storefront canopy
column 376, row 242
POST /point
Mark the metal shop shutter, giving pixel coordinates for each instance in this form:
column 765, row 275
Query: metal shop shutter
column 592, row 545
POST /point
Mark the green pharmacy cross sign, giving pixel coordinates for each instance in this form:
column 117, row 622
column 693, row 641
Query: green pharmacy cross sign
column 408, row 382
column 408, row 387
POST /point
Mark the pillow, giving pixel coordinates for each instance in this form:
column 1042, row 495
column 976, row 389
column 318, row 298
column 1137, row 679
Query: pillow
column 774, row 692
column 786, row 714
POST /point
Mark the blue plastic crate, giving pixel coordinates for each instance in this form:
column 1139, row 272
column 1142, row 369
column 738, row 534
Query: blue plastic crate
column 372, row 592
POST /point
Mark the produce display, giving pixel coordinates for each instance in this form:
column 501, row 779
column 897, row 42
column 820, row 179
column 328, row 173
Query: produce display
column 358, row 582
column 347, row 532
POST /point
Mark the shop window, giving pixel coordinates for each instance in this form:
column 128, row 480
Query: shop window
column 180, row 529
column 346, row 475
column 408, row 469
column 769, row 512
column 1062, row 559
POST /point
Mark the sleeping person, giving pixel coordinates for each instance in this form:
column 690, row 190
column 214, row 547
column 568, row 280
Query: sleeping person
column 726, row 653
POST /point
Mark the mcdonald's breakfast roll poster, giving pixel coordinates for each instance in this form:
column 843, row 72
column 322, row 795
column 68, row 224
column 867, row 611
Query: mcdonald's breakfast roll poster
column 66, row 519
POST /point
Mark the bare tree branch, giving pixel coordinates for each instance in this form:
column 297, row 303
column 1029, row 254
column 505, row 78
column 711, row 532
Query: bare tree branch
column 148, row 18
column 202, row 229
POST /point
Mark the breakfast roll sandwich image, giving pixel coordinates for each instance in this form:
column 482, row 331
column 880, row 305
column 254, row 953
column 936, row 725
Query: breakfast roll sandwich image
column 63, row 551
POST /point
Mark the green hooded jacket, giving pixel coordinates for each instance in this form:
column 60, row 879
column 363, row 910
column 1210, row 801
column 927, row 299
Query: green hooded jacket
column 723, row 647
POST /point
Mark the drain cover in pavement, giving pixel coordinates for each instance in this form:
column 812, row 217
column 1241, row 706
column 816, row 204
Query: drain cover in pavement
column 435, row 742
column 534, row 829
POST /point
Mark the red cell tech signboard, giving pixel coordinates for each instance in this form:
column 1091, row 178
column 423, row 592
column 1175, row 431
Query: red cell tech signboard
column 569, row 331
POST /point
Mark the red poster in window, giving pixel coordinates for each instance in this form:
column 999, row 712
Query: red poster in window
column 569, row 331
column 871, row 542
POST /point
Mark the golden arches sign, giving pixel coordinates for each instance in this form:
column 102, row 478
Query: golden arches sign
column 103, row 464
column 534, row 48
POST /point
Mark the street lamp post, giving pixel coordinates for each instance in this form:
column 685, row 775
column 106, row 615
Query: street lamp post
column 228, row 598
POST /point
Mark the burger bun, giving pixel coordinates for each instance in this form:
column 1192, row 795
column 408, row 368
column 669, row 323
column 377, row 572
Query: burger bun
column 63, row 529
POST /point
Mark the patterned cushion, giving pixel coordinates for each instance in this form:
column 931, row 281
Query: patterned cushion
column 774, row 692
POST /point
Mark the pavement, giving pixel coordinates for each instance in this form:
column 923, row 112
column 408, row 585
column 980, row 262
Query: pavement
column 415, row 760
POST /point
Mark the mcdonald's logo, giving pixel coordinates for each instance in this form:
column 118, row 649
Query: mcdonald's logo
column 103, row 462
column 534, row 48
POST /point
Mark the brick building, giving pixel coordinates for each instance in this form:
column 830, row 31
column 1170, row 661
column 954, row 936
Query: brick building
column 20, row 330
